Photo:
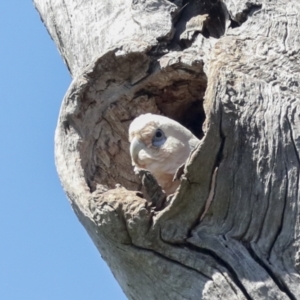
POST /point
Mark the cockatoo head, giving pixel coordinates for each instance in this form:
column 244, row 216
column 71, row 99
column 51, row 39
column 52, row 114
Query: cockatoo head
column 160, row 145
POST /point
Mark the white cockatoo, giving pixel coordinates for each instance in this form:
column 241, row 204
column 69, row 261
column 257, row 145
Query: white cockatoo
column 160, row 145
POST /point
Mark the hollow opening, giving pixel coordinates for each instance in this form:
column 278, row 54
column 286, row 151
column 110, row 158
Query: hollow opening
column 242, row 17
column 199, row 17
column 181, row 101
column 187, row 111
column 176, row 91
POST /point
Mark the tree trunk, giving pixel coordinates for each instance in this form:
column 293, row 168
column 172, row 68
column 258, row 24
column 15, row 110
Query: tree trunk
column 229, row 71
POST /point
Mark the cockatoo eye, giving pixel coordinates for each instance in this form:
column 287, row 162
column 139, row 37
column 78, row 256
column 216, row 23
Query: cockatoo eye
column 159, row 138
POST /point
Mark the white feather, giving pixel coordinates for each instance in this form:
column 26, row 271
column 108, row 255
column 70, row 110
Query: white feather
column 162, row 161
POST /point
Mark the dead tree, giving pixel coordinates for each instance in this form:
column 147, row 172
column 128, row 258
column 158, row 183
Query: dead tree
column 228, row 70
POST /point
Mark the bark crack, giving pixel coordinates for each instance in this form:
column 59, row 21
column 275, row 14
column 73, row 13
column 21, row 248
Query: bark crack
column 267, row 208
column 211, row 194
column 280, row 283
column 292, row 139
column 282, row 215
column 61, row 45
column 224, row 264
column 173, row 261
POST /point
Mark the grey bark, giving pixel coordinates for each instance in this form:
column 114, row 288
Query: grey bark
column 232, row 229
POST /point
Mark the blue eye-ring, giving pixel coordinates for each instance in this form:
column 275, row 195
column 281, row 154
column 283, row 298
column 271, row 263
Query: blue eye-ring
column 159, row 138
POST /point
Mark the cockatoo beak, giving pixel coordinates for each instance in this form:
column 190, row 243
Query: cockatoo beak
column 135, row 147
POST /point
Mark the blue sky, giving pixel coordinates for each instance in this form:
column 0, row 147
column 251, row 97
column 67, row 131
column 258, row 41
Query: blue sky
column 45, row 253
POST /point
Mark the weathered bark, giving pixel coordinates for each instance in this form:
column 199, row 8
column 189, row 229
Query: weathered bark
column 240, row 61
